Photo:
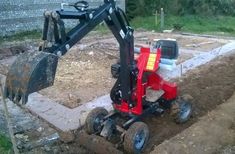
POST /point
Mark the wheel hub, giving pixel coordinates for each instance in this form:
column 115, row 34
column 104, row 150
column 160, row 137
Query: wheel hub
column 97, row 123
column 140, row 140
column 185, row 110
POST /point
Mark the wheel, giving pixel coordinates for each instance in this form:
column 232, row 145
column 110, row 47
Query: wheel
column 183, row 111
column 136, row 137
column 94, row 120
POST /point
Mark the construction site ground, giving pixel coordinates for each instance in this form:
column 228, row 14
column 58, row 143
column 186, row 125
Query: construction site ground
column 84, row 74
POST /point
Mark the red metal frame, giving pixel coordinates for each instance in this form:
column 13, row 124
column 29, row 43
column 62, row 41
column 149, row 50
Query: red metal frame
column 148, row 62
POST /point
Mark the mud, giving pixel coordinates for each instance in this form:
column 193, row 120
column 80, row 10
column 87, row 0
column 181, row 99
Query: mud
column 11, row 51
column 81, row 77
column 214, row 133
column 93, row 142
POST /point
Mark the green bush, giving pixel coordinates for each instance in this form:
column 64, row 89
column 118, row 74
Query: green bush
column 5, row 144
column 180, row 7
column 219, row 25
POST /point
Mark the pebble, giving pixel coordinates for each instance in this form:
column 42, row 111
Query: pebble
column 190, row 142
column 22, row 137
column 91, row 53
column 184, row 145
column 40, row 129
column 47, row 148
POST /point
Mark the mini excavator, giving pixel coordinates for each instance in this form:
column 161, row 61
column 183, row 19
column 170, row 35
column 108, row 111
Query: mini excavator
column 138, row 91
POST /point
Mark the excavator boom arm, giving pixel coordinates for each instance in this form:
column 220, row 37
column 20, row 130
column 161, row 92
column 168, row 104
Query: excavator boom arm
column 34, row 71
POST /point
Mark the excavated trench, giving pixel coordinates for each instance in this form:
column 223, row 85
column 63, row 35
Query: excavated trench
column 210, row 85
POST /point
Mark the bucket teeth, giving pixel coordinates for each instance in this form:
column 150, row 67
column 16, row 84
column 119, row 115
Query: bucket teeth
column 11, row 95
column 17, row 97
column 24, row 99
column 30, row 73
column 5, row 92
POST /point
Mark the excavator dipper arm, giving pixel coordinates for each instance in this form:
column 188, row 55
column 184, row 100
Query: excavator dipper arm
column 33, row 71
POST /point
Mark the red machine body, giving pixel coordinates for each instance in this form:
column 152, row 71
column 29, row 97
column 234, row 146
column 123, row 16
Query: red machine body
column 148, row 65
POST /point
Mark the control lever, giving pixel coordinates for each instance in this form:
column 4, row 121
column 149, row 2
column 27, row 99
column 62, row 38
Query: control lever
column 80, row 5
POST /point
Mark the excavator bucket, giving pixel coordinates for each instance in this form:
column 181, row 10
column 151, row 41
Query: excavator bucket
column 31, row 72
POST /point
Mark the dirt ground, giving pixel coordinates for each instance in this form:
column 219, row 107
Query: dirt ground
column 84, row 73
column 214, row 133
column 81, row 77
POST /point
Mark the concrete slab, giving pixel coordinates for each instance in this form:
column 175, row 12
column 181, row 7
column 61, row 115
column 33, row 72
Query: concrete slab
column 61, row 117
column 66, row 119
column 189, row 51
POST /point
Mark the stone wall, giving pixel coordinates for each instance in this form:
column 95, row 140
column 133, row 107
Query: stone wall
column 25, row 15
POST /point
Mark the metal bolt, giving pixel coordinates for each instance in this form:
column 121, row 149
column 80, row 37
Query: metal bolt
column 47, row 13
column 90, row 15
column 55, row 15
column 67, row 46
column 59, row 53
column 110, row 10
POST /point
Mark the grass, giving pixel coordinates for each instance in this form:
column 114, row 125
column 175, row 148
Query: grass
column 5, row 144
column 35, row 34
column 102, row 29
column 220, row 25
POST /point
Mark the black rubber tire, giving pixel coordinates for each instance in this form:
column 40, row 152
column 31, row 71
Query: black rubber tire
column 91, row 123
column 130, row 137
column 185, row 111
